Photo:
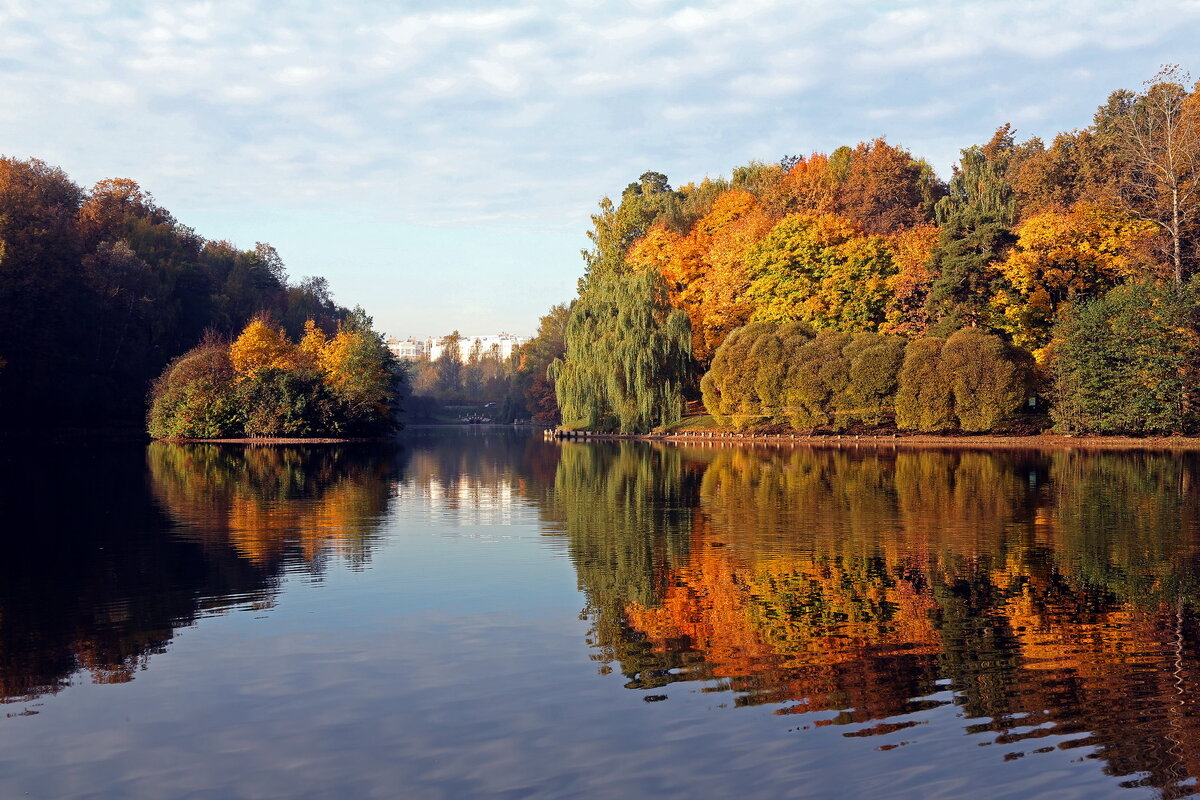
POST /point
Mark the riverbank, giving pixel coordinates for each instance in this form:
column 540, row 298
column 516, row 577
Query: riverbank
column 280, row 440
column 1038, row 441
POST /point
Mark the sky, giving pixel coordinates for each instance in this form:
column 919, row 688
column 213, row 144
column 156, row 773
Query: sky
column 438, row 161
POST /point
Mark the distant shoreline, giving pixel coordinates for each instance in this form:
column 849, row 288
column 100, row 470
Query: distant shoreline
column 1043, row 441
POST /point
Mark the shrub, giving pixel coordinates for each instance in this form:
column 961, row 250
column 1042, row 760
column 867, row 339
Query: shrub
column 925, row 391
column 874, row 362
column 991, row 378
column 194, row 396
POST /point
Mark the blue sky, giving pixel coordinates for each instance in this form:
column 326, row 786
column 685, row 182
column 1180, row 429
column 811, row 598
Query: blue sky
column 438, row 161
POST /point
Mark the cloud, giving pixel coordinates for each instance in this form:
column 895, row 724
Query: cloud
column 525, row 113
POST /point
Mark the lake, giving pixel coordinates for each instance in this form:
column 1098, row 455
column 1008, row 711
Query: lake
column 482, row 613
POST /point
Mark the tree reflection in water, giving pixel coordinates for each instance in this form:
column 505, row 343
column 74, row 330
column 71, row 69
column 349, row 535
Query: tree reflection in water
column 97, row 575
column 1051, row 595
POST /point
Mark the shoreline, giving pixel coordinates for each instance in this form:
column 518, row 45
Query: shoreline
column 1040, row 441
column 280, row 440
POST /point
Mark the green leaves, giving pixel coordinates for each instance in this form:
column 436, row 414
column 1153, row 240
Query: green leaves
column 628, row 355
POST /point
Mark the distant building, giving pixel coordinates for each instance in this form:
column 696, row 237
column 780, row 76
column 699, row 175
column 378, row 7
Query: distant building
column 408, row 349
column 500, row 345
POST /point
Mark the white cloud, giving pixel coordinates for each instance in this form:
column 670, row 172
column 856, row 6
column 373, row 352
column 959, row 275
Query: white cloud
column 527, row 112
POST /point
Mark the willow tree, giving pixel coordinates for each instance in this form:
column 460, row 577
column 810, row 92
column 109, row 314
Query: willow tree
column 627, row 359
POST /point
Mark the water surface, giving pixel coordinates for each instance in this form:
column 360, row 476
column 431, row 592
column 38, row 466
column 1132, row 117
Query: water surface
column 487, row 614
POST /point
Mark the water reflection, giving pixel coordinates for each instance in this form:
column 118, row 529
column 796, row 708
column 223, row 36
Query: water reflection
column 98, row 582
column 275, row 505
column 1051, row 597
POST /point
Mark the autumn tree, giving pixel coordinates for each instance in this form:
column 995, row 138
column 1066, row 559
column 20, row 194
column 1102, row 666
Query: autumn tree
column 1157, row 140
column 536, row 356
column 1064, row 257
column 822, row 270
column 262, row 345
column 618, row 225
column 886, row 190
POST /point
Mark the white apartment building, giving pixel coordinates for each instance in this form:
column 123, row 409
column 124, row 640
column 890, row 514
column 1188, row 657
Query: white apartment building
column 503, row 344
column 408, row 349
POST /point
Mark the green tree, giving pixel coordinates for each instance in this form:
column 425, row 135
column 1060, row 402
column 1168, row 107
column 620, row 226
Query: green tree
column 874, row 367
column 1128, row 362
column 992, row 379
column 627, row 359
column 975, row 220
column 925, row 390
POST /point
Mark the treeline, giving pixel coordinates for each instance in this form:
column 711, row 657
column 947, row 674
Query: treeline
column 264, row 384
column 1025, row 242
column 100, row 288
column 516, row 387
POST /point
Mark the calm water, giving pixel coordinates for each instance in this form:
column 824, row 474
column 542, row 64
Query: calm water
column 473, row 614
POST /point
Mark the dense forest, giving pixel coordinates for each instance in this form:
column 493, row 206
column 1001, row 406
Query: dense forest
column 101, row 288
column 1072, row 261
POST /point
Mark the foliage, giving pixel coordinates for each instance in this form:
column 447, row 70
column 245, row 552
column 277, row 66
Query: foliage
column 925, row 391
column 194, row 398
column 102, row 288
column 264, row 385
column 627, row 356
column 1064, row 257
column 262, row 346
column 991, row 378
column 820, row 269
column 1129, row 362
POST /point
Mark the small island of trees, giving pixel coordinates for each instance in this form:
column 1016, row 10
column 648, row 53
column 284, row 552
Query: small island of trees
column 262, row 384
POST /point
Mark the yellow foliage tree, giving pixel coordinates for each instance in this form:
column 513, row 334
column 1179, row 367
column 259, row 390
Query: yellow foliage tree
column 1062, row 257
column 911, row 248
column 311, row 346
column 262, row 346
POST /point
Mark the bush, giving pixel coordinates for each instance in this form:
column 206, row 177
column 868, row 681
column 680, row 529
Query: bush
column 816, row 374
column 194, row 396
column 282, row 402
column 925, row 391
column 874, row 362
column 991, row 378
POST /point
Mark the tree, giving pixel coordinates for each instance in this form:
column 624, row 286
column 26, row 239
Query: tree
column 1064, row 257
column 874, row 362
column 886, row 190
column 975, row 220
column 536, row 357
column 1129, row 362
column 925, row 390
column 991, row 379
column 449, row 367
column 1156, row 135
column 261, row 345
column 618, row 226
column 627, row 356
column 822, row 270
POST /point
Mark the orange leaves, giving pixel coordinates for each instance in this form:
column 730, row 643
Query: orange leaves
column 261, row 346
column 911, row 250
column 705, row 270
